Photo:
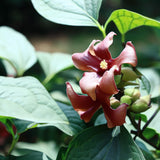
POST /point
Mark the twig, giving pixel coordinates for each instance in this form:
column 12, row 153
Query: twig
column 139, row 131
column 149, row 121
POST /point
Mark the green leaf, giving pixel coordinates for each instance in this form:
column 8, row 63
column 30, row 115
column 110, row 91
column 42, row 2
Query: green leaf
column 147, row 154
column 146, row 84
column 75, row 123
column 26, row 99
column 149, row 133
column 16, row 51
column 49, row 148
column 22, row 126
column 31, row 155
column 143, row 117
column 150, row 81
column 61, row 153
column 97, row 143
column 126, row 20
column 54, row 63
column 100, row 120
column 70, row 12
column 3, row 158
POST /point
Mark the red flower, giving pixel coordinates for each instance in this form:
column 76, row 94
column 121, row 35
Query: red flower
column 98, row 83
column 3, row 134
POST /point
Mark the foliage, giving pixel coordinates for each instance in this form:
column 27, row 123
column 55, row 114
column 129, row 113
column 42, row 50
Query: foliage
column 38, row 103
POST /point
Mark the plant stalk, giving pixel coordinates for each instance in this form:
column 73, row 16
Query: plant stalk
column 139, row 132
column 14, row 141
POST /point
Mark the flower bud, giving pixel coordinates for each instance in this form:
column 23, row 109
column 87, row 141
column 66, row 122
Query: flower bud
column 141, row 104
column 147, row 99
column 132, row 92
column 128, row 74
column 114, row 102
column 126, row 99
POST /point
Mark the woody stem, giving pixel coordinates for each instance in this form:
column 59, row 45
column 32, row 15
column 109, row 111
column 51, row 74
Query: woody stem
column 139, row 132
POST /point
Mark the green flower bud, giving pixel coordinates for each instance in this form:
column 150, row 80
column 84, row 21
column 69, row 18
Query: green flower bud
column 132, row 92
column 126, row 99
column 141, row 104
column 128, row 74
column 114, row 102
column 147, row 99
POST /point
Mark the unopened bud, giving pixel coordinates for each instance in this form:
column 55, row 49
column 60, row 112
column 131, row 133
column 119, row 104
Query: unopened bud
column 132, row 92
column 126, row 99
column 147, row 99
column 114, row 102
column 141, row 104
column 128, row 74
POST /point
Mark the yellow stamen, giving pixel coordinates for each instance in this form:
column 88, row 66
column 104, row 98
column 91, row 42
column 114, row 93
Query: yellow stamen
column 103, row 64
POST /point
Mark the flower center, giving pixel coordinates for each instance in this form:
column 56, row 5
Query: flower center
column 103, row 64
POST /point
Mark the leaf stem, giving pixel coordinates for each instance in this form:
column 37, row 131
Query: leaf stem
column 102, row 29
column 46, row 80
column 132, row 120
column 123, row 40
column 10, row 64
column 14, row 141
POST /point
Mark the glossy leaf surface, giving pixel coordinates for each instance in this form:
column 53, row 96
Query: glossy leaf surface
column 26, row 99
column 54, row 63
column 126, row 20
column 32, row 155
column 69, row 12
column 16, row 50
column 99, row 143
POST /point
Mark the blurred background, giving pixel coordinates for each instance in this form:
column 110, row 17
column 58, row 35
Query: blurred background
column 50, row 37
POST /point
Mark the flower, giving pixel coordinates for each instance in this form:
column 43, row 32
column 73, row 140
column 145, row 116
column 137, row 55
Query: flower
column 98, row 83
column 4, row 135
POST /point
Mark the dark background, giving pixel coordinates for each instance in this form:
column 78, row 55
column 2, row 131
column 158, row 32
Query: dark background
column 51, row 37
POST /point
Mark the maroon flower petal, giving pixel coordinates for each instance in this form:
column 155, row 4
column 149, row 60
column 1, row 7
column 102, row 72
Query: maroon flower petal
column 88, row 84
column 102, row 48
column 102, row 97
column 128, row 55
column 86, row 116
column 87, row 61
column 107, row 83
column 79, row 102
column 115, row 117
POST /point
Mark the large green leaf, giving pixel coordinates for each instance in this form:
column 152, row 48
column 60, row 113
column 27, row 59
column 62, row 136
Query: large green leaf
column 54, row 63
column 126, row 20
column 26, row 99
column 150, row 82
column 49, row 148
column 99, row 143
column 75, row 122
column 147, row 154
column 69, row 12
column 16, row 50
column 22, row 125
column 31, row 155
column 145, row 84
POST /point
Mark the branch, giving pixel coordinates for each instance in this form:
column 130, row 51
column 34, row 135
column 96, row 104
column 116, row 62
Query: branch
column 139, row 131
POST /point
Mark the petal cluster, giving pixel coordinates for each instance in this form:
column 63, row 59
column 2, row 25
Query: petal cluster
column 98, row 83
